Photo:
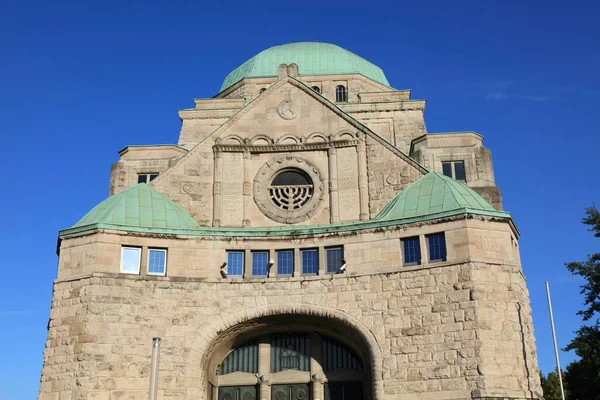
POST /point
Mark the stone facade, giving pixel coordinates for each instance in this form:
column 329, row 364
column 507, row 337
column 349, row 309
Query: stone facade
column 451, row 327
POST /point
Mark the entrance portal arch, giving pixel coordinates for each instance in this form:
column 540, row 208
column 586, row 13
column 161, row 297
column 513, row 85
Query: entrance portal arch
column 321, row 328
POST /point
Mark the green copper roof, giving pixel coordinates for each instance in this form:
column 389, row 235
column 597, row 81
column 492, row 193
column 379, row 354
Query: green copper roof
column 434, row 193
column 141, row 207
column 313, row 58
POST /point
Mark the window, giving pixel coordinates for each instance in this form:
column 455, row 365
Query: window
column 235, row 263
column 147, row 177
column 260, row 261
column 285, row 262
column 157, row 261
column 412, row 251
column 340, row 94
column 130, row 260
column 316, row 89
column 310, row 261
column 262, row 90
column 454, row 169
column 291, row 189
column 335, row 259
column 437, row 247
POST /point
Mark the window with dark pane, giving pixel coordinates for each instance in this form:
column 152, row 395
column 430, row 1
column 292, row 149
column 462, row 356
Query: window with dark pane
column 235, row 263
column 437, row 247
column 340, row 94
column 290, row 351
column 335, row 257
column 285, row 262
column 147, row 177
column 412, row 251
column 316, row 89
column 242, row 359
column 291, row 189
column 455, row 170
column 310, row 261
column 260, row 260
column 262, row 90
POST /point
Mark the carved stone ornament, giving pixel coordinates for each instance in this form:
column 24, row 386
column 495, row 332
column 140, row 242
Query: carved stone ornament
column 287, row 109
column 289, row 189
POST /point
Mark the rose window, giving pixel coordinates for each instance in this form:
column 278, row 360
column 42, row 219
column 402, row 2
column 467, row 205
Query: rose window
column 291, row 189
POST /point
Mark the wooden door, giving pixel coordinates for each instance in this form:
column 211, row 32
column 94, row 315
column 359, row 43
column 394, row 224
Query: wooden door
column 237, row 393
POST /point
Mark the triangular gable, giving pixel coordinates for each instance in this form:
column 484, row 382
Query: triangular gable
column 219, row 132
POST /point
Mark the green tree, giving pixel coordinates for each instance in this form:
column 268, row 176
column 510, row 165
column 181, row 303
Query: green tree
column 551, row 386
column 583, row 375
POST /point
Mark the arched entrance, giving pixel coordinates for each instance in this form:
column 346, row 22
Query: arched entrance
column 290, row 357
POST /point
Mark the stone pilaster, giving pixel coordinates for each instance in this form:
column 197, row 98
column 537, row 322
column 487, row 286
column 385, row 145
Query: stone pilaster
column 363, row 188
column 218, row 189
column 333, row 185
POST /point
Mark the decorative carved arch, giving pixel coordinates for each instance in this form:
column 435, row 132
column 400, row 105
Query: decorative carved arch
column 261, row 140
column 289, row 139
column 210, row 337
column 345, row 135
column 316, row 137
column 231, row 139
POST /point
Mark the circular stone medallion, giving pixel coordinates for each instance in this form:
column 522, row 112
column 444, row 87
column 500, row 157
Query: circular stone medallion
column 287, row 109
column 288, row 189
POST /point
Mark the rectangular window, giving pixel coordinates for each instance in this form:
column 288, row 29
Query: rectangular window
column 412, row 251
column 335, row 259
column 437, row 247
column 147, row 177
column 285, row 262
column 130, row 260
column 310, row 261
column 157, row 261
column 455, row 170
column 235, row 263
column 260, row 259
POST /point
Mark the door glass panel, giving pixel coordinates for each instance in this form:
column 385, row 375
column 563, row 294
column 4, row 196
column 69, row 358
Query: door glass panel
column 237, row 393
column 290, row 392
column 343, row 391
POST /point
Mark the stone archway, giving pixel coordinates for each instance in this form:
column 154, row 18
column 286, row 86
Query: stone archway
column 212, row 341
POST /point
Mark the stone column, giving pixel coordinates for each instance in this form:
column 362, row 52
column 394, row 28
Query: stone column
column 363, row 189
column 334, row 205
column 297, row 262
column 264, row 368
column 316, row 366
column 247, row 190
column 218, row 189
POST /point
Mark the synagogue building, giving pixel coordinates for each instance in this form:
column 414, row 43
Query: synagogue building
column 306, row 238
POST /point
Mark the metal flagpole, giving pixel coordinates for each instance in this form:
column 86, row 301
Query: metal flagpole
column 153, row 393
column 562, row 390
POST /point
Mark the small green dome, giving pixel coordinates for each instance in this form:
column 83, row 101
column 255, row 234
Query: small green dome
column 313, row 58
column 139, row 207
column 434, row 193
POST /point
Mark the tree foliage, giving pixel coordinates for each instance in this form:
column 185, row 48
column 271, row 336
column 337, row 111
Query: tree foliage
column 583, row 375
column 551, row 386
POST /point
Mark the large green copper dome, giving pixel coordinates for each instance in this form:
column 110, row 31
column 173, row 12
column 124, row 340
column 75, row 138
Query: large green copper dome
column 313, row 58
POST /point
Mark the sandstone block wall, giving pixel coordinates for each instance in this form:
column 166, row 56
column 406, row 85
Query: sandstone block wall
column 434, row 333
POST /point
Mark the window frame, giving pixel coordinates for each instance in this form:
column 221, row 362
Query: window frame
column 243, row 253
column 307, row 250
column 327, row 250
column 280, row 251
column 343, row 91
column 429, row 247
column 403, row 247
column 252, row 253
column 452, row 164
column 164, row 273
column 148, row 176
column 316, row 89
column 139, row 261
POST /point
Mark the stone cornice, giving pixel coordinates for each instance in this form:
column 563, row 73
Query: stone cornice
column 271, row 148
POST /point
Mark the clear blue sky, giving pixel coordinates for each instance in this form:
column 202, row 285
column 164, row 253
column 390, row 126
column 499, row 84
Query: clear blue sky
column 80, row 81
